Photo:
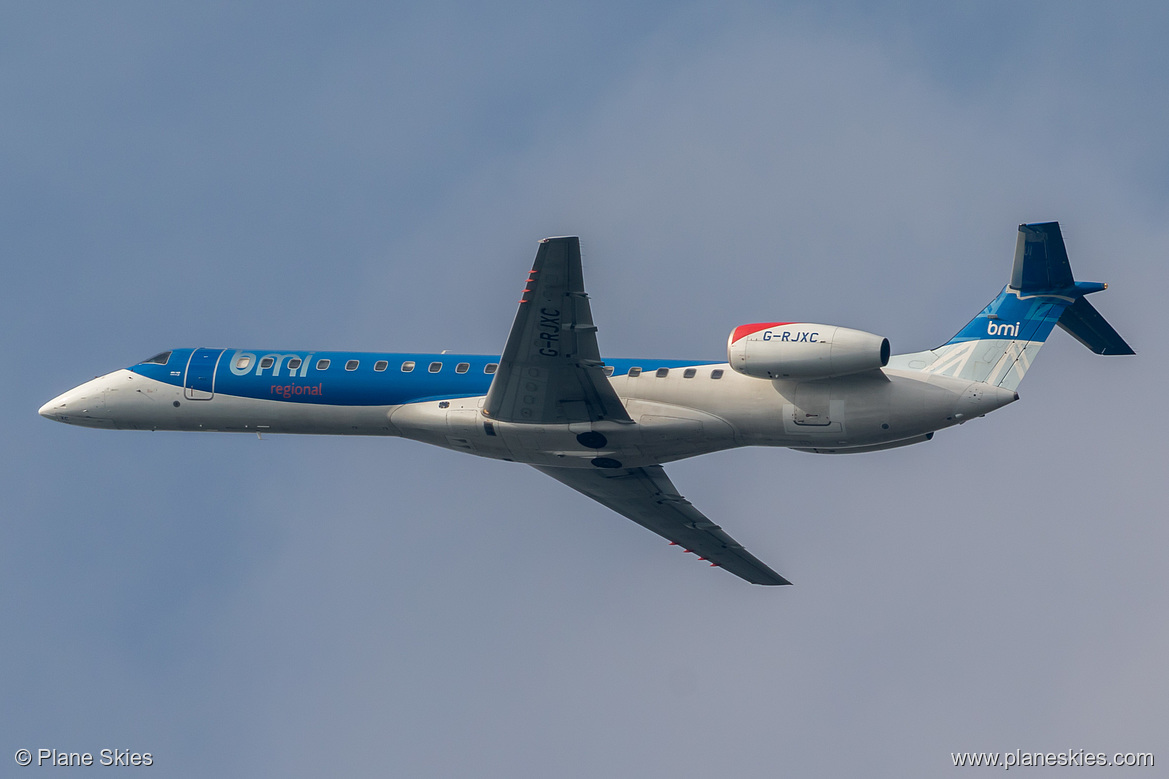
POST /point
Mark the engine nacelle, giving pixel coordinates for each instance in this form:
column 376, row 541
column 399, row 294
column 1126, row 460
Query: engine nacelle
column 801, row 350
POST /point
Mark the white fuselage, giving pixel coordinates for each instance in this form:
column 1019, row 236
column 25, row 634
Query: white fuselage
column 674, row 416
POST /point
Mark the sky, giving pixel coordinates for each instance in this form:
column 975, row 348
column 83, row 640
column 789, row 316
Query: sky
column 376, row 176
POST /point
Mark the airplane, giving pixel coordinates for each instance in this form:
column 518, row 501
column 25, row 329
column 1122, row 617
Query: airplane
column 606, row 427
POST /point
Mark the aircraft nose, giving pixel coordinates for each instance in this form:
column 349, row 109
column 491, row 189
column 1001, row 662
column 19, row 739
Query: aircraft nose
column 61, row 407
column 82, row 405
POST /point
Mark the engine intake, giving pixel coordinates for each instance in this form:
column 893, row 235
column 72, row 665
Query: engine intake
column 802, row 350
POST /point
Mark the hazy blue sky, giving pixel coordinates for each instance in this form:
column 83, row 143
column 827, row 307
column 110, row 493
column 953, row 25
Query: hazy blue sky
column 375, row 176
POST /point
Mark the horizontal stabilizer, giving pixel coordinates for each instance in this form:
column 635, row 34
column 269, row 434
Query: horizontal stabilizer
column 1084, row 323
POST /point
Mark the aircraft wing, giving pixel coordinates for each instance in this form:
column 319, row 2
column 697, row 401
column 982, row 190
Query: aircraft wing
column 648, row 497
column 551, row 370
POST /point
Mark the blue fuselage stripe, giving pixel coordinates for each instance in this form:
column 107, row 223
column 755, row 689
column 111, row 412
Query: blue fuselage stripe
column 265, row 374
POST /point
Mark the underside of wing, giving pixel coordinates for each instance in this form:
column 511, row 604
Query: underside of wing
column 648, row 497
column 551, row 370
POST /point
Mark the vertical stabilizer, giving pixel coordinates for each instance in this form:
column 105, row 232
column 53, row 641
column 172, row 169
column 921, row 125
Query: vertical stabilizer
column 999, row 345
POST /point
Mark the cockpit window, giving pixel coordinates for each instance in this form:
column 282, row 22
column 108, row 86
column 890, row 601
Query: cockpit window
column 159, row 359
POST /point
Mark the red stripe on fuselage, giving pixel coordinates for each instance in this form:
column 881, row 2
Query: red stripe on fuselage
column 742, row 331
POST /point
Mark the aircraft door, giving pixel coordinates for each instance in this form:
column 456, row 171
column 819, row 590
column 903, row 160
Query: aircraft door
column 199, row 383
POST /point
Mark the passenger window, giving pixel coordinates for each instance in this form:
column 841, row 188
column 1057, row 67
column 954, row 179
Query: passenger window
column 159, row 359
column 381, row 365
column 294, row 363
column 662, row 373
column 608, row 370
column 491, row 367
column 351, row 365
column 462, row 367
column 266, row 362
column 717, row 373
column 435, row 367
column 243, row 363
column 323, row 365
column 407, row 366
column 689, row 373
column 634, row 373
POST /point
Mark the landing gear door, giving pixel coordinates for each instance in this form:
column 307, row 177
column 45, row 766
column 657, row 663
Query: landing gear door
column 199, row 382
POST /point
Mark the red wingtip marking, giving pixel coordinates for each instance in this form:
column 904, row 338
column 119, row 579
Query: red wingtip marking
column 742, row 331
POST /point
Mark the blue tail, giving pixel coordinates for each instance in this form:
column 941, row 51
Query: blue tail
column 999, row 345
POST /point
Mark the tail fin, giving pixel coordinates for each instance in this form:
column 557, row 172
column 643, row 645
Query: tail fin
column 999, row 345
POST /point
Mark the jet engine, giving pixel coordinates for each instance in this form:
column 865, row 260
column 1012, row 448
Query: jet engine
column 801, row 350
